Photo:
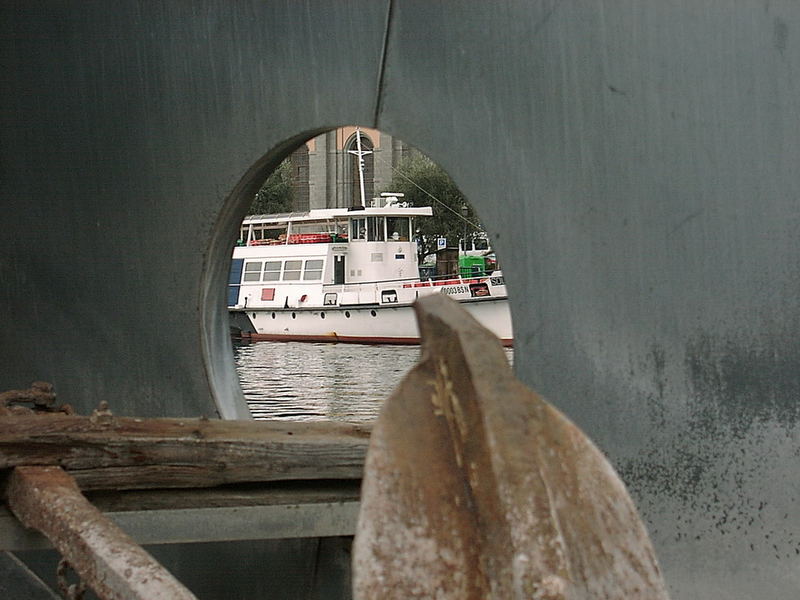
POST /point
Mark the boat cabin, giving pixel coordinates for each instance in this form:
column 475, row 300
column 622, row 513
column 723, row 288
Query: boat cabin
column 336, row 247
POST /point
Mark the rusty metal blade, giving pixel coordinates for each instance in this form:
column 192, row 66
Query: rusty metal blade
column 475, row 487
column 105, row 557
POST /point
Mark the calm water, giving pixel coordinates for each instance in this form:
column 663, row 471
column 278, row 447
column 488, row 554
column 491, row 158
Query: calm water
column 311, row 382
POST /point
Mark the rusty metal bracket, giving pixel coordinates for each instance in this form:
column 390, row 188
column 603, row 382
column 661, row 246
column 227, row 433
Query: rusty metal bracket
column 103, row 556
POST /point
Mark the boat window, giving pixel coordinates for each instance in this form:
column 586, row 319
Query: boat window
column 313, row 270
column 481, row 244
column 291, row 270
column 330, row 299
column 358, row 229
column 308, row 227
column 272, row 270
column 259, row 233
column 340, row 231
column 252, row 271
column 398, row 228
column 375, row 229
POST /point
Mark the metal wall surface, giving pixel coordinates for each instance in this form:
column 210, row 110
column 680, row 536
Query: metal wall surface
column 125, row 131
column 635, row 162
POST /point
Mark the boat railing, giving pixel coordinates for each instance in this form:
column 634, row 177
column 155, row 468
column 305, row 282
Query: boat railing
column 301, row 238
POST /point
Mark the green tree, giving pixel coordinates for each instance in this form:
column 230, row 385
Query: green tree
column 424, row 183
column 275, row 196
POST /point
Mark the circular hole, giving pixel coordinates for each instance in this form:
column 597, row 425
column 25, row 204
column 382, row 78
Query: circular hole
column 404, row 248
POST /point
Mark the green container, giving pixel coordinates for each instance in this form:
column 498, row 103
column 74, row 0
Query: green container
column 472, row 266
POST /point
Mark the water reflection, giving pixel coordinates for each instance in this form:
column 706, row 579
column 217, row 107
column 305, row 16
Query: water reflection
column 298, row 381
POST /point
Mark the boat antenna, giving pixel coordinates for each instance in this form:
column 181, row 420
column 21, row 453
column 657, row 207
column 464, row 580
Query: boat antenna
column 397, row 171
column 360, row 154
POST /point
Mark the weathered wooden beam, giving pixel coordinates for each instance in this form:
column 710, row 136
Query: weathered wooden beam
column 106, row 559
column 127, row 453
column 476, row 488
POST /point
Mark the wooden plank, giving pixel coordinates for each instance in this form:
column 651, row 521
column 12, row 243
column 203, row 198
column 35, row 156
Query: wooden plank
column 103, row 555
column 235, row 496
column 476, row 488
column 129, row 453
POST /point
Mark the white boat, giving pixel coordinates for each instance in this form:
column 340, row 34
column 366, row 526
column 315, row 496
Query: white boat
column 346, row 275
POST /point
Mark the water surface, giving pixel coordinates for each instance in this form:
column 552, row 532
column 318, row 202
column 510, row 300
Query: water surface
column 300, row 381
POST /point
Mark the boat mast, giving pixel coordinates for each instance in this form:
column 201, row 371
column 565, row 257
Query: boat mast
column 360, row 154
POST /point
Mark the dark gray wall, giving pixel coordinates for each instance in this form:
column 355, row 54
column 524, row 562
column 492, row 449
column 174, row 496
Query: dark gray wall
column 636, row 162
column 126, row 128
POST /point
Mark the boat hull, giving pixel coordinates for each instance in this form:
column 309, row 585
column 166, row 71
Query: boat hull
column 362, row 324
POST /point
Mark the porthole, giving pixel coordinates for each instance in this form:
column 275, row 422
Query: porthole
column 317, row 252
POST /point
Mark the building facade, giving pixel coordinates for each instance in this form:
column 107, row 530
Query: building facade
column 325, row 169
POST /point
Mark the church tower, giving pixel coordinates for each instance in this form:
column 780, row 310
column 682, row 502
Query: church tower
column 325, row 171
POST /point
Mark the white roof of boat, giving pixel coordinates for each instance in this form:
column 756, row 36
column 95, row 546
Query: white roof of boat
column 325, row 214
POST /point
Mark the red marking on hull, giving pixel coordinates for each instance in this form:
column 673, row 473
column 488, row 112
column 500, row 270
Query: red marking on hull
column 341, row 339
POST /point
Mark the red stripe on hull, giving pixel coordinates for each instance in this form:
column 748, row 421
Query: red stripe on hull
column 341, row 339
